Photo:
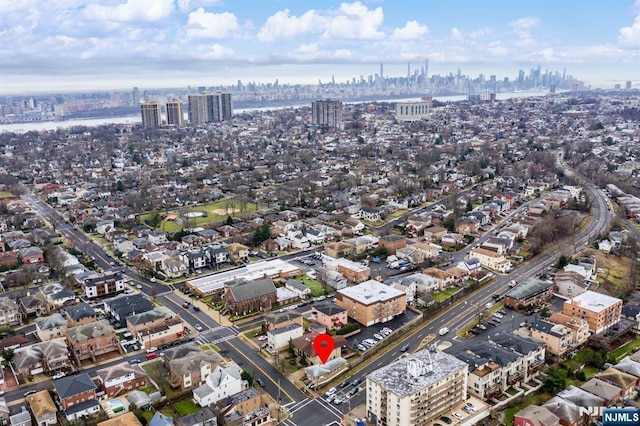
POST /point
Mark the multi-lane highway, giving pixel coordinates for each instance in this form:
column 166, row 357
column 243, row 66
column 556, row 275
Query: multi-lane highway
column 307, row 410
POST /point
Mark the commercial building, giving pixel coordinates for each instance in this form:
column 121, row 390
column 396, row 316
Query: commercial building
column 600, row 311
column 372, row 302
column 416, row 390
column 151, row 117
column 175, row 116
column 531, row 291
column 327, row 113
column 412, row 111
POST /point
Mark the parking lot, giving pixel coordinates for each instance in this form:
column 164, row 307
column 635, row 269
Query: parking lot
column 369, row 332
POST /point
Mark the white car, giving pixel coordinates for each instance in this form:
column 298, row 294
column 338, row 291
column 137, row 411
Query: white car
column 330, row 392
column 152, row 349
column 59, row 375
column 377, row 336
column 457, row 416
column 152, row 279
column 262, row 338
column 139, row 287
column 198, row 327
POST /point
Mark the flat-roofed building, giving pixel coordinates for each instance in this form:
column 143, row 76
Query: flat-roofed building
column 372, row 302
column 600, row 311
column 416, row 390
column 531, row 291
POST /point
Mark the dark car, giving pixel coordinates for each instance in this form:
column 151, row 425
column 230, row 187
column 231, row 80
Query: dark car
column 344, row 384
column 404, row 347
column 355, row 382
column 446, row 419
column 196, row 308
column 260, row 382
column 134, row 361
column 353, row 391
column 29, row 392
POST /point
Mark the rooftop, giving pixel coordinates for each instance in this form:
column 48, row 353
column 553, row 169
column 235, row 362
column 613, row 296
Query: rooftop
column 397, row 378
column 595, row 302
column 528, row 288
column 370, row 292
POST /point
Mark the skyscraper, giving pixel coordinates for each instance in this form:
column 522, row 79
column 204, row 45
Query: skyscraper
column 327, row 114
column 151, row 118
column 136, row 96
column 210, row 108
column 174, row 113
column 197, row 109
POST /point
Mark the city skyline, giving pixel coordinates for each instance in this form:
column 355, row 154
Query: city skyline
column 170, row 43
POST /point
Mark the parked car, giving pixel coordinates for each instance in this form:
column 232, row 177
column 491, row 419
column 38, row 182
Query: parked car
column 134, row 361
column 262, row 337
column 152, row 349
column 377, row 336
column 152, row 355
column 353, row 391
column 355, row 382
column 362, row 348
column 344, row 384
column 446, row 419
column 339, row 400
column 29, row 392
column 198, row 327
column 260, row 382
column 59, row 375
column 330, row 392
column 457, row 415
column 139, row 286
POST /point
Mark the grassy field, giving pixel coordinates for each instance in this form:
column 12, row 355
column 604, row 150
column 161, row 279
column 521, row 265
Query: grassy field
column 216, row 212
column 444, row 294
column 158, row 372
column 317, row 288
column 530, row 400
column 626, row 349
column 185, row 407
column 5, row 194
column 616, row 279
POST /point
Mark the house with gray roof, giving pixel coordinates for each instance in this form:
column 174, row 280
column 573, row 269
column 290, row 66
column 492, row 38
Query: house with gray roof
column 243, row 296
column 28, row 361
column 55, row 354
column 204, row 417
column 566, row 411
column 79, row 314
column 223, row 382
column 121, row 378
column 10, row 313
column 180, row 351
column 192, row 369
column 126, row 305
column 51, row 327
column 77, row 395
column 88, row 341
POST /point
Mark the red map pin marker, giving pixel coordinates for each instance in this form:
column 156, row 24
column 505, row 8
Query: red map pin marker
column 323, row 344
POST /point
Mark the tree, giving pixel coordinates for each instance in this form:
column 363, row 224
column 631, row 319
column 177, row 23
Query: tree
column 261, row 234
column 245, row 375
column 562, row 262
column 229, row 220
column 555, row 381
column 291, row 349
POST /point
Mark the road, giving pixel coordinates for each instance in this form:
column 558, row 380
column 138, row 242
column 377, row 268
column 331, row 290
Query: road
column 318, row 411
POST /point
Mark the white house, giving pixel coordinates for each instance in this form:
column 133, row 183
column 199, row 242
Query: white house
column 221, row 383
column 300, row 242
column 104, row 226
column 279, row 338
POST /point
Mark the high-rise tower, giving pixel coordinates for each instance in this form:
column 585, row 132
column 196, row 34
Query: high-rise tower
column 327, row 114
column 174, row 113
column 151, row 118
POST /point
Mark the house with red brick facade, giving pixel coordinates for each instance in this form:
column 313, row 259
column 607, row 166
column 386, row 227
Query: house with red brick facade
column 121, row 378
column 392, row 242
column 91, row 340
column 332, row 316
column 155, row 328
column 77, row 396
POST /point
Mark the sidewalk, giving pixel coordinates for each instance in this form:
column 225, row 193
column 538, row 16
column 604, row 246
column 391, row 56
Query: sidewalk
column 215, row 315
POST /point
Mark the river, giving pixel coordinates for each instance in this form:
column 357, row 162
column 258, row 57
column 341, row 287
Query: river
column 134, row 119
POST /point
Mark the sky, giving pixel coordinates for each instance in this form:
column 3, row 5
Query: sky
column 61, row 45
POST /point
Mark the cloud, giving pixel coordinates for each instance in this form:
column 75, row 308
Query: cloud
column 456, row 34
column 525, row 24
column 630, row 36
column 214, row 51
column 192, row 4
column 202, row 24
column 312, row 52
column 283, row 26
column 131, row 11
column 355, row 21
column 349, row 21
column 411, row 31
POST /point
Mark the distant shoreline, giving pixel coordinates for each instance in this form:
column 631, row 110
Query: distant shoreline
column 28, row 126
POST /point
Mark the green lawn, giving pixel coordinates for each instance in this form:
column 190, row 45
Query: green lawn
column 185, row 407
column 626, row 349
column 5, row 194
column 536, row 399
column 317, row 288
column 215, row 212
column 444, row 294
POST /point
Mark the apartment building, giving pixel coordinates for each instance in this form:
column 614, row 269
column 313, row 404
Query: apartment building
column 354, row 272
column 416, row 390
column 372, row 302
column 491, row 260
column 97, row 284
column 579, row 327
column 91, row 340
column 556, row 337
column 599, row 310
column 154, row 328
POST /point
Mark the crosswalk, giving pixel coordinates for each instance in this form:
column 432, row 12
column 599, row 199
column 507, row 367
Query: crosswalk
column 207, row 336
